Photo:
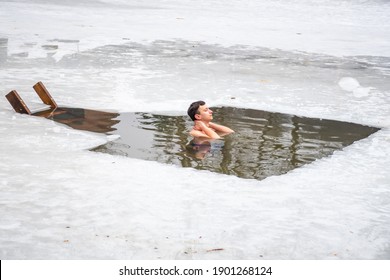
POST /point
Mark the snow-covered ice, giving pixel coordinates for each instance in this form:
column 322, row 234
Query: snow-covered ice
column 324, row 59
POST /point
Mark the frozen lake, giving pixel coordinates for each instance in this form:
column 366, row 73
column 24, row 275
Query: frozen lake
column 314, row 59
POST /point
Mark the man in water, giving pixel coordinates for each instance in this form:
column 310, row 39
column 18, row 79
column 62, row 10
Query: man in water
column 202, row 116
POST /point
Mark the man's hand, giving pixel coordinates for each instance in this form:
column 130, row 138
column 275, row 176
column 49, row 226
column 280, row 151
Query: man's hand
column 201, row 126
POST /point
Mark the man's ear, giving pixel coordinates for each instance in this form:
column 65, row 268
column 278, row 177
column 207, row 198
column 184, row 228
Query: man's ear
column 198, row 116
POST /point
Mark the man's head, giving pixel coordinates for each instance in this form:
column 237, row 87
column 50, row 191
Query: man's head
column 199, row 111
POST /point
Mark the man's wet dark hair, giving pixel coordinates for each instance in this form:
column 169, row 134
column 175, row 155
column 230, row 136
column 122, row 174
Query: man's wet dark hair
column 194, row 109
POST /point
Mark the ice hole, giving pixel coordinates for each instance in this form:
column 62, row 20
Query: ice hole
column 264, row 143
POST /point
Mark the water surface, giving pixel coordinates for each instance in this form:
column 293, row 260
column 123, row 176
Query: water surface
column 264, row 143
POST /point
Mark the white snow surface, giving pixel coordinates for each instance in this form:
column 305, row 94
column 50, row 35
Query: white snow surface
column 61, row 201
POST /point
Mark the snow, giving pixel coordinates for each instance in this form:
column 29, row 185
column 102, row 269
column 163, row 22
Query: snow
column 352, row 85
column 324, row 59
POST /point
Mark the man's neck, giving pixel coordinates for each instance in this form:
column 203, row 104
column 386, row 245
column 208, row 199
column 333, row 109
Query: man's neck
column 206, row 123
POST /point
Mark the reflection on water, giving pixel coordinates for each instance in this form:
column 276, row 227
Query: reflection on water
column 83, row 119
column 264, row 144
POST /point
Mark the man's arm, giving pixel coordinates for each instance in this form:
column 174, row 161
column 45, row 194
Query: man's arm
column 221, row 128
column 198, row 134
column 205, row 130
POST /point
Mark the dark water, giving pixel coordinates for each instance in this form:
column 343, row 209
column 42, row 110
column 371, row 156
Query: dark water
column 264, row 143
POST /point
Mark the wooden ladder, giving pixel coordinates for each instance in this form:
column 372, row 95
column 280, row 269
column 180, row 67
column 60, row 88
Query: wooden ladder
column 20, row 106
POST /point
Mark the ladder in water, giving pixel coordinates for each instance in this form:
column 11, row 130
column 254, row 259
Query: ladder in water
column 20, row 106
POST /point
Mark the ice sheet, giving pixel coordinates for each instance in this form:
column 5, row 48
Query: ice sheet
column 60, row 201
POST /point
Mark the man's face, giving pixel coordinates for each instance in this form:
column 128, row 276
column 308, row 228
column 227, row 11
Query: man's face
column 205, row 114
